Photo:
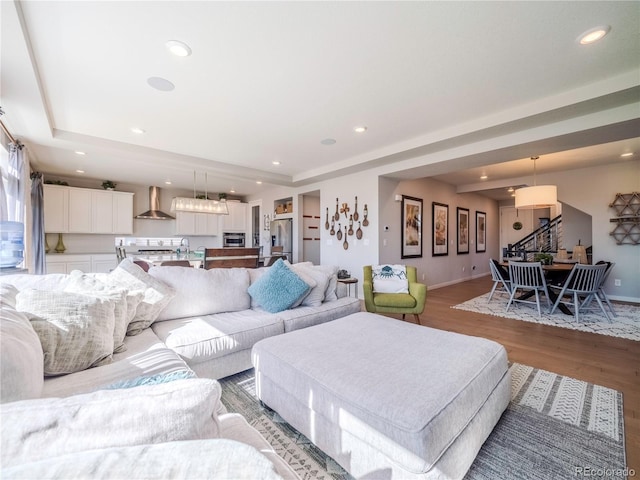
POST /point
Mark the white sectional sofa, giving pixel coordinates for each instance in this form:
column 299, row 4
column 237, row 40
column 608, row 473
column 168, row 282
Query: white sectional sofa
column 153, row 390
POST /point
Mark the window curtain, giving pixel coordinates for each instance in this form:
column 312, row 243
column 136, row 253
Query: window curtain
column 15, row 185
column 37, row 214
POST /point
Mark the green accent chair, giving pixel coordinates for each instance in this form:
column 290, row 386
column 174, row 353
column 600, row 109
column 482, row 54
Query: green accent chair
column 412, row 302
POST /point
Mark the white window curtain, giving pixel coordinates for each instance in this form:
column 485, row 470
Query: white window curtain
column 16, row 182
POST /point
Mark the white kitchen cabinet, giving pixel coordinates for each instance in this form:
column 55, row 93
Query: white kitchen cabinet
column 67, row 262
column 197, row 224
column 55, row 267
column 85, row 210
column 236, row 221
column 103, row 263
column 56, row 208
column 80, row 211
column 122, row 212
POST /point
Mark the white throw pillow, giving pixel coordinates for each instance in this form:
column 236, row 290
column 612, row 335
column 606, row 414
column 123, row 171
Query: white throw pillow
column 254, row 275
column 331, row 271
column 21, row 357
column 193, row 459
column 390, row 279
column 320, row 280
column 89, row 285
column 75, row 330
column 203, row 292
column 33, row 430
column 157, row 294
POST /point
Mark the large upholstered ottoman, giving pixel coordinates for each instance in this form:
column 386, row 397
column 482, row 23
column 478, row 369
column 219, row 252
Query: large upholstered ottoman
column 385, row 398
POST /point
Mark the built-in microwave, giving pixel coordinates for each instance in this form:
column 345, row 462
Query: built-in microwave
column 230, row 239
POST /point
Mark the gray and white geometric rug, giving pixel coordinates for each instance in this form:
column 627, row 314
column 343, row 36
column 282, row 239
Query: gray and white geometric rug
column 555, row 427
column 625, row 325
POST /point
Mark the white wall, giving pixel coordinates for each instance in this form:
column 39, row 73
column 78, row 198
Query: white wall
column 440, row 270
column 592, row 190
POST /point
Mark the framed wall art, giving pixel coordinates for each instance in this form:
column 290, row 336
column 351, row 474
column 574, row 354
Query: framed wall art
column 481, row 232
column 463, row 230
column 411, row 230
column 440, row 229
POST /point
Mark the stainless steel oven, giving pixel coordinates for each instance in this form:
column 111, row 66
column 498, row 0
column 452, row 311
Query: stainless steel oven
column 233, row 239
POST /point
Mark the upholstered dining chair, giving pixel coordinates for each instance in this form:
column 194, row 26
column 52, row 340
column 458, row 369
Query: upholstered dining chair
column 176, row 263
column 582, row 285
column 500, row 276
column 143, row 265
column 528, row 279
column 412, row 302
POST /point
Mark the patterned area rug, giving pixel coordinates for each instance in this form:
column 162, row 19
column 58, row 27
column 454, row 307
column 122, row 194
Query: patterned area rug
column 625, row 325
column 555, row 427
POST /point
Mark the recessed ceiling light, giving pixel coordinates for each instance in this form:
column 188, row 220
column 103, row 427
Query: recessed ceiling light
column 510, row 189
column 168, row 182
column 327, row 141
column 628, row 154
column 259, row 182
column 79, row 171
column 513, row 194
column 276, row 162
column 361, row 129
column 483, row 177
column 78, row 152
column 232, row 191
column 137, row 130
column 593, row 35
column 161, row 84
column 178, row 48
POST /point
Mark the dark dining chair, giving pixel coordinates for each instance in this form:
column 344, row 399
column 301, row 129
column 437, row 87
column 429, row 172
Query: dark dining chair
column 582, row 285
column 528, row 278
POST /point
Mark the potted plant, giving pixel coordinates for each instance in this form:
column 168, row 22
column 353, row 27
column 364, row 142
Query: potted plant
column 108, row 185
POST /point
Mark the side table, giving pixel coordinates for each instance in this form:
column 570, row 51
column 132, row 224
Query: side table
column 348, row 282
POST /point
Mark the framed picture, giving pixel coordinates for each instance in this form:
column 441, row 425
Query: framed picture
column 411, row 227
column 481, row 232
column 440, row 228
column 463, row 230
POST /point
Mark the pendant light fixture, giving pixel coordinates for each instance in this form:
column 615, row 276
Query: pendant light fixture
column 199, row 205
column 538, row 196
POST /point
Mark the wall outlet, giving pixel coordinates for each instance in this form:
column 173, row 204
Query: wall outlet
column 423, row 277
column 384, row 242
column 464, row 269
column 617, row 282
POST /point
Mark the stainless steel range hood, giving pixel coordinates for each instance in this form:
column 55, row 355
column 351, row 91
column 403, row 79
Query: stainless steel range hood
column 154, row 212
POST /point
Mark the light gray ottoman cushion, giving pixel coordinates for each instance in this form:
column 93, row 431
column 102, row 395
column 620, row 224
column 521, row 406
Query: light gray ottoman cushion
column 404, row 390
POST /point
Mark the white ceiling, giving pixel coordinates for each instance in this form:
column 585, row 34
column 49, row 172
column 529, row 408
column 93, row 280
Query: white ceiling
column 451, row 89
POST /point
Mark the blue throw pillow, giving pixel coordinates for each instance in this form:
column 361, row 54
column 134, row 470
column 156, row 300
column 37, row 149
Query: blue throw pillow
column 278, row 289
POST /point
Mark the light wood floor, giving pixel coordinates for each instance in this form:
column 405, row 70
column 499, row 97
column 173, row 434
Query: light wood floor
column 600, row 359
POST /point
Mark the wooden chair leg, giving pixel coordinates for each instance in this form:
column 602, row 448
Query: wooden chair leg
column 417, row 318
column 403, row 316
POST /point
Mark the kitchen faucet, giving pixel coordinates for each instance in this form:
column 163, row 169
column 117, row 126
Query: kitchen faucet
column 184, row 242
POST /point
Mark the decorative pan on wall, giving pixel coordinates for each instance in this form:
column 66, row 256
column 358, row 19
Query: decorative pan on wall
column 334, row 225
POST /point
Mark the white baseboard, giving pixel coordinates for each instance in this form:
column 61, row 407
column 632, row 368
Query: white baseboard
column 459, row 280
column 623, row 299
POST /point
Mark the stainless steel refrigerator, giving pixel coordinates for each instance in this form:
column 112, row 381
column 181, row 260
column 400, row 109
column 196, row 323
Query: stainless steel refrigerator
column 282, row 235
